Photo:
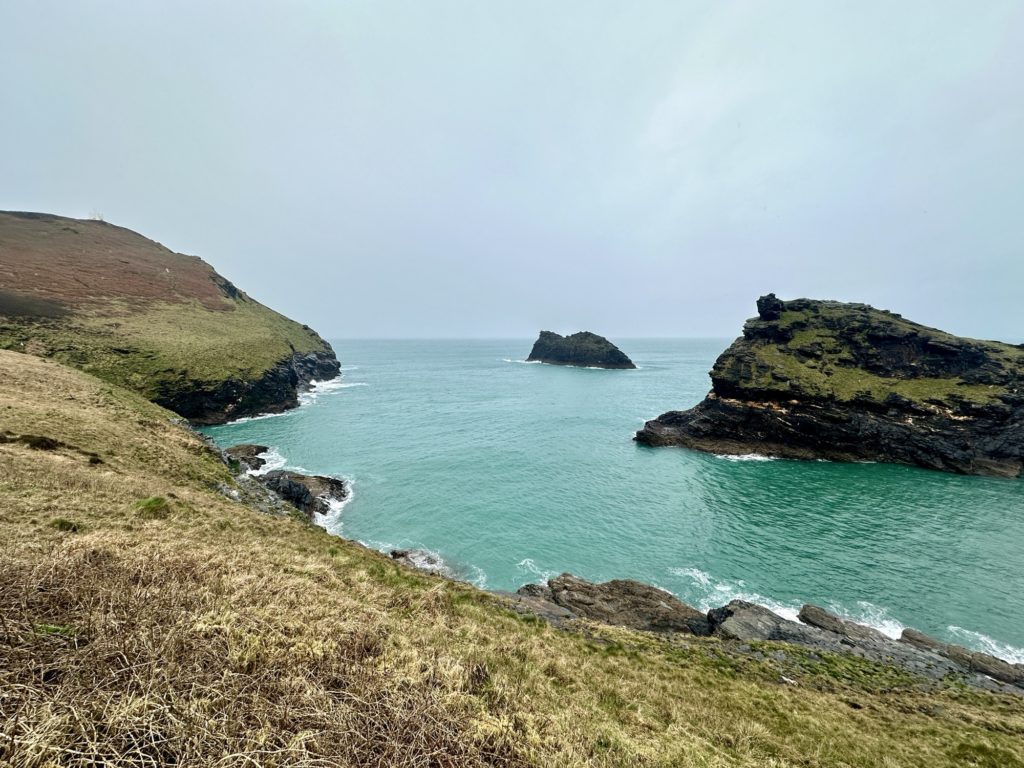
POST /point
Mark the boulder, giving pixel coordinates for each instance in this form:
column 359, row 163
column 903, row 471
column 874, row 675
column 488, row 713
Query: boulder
column 740, row 620
column 770, row 307
column 621, row 602
column 853, row 632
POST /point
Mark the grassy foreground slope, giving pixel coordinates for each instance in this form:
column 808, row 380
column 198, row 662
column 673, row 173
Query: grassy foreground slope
column 148, row 619
column 118, row 305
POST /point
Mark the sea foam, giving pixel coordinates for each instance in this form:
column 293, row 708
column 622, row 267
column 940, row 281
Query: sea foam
column 319, row 388
column 274, row 460
column 986, row 644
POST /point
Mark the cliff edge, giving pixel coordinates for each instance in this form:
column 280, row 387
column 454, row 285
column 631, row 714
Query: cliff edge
column 583, row 350
column 113, row 303
column 847, row 382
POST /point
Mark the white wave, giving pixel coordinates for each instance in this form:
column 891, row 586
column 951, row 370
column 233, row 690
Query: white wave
column 541, row 576
column 719, row 593
column 745, row 457
column 331, row 520
column 524, row 362
column 986, row 644
column 714, row 594
column 870, row 615
column 319, row 388
column 274, row 460
column 477, row 577
column 695, row 574
column 429, row 561
column 260, row 417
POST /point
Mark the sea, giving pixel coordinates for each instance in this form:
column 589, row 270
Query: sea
column 513, row 472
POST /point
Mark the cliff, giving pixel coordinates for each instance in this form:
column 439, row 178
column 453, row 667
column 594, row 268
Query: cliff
column 848, row 382
column 583, row 349
column 111, row 302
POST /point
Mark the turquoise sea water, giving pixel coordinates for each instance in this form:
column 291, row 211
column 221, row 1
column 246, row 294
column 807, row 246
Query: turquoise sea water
column 513, row 472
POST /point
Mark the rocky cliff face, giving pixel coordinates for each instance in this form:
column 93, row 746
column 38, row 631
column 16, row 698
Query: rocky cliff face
column 122, row 307
column 583, row 349
column 273, row 391
column 847, row 382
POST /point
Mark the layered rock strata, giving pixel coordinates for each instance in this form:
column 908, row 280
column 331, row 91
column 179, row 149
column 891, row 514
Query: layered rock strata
column 846, row 382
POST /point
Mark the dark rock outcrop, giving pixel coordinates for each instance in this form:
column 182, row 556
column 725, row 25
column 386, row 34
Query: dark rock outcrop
column 981, row 663
column 583, row 349
column 846, row 382
column 621, row 602
column 247, row 455
column 277, row 390
column 311, row 494
column 641, row 606
column 740, row 620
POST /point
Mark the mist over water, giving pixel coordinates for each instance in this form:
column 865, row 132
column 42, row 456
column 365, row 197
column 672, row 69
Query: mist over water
column 513, row 473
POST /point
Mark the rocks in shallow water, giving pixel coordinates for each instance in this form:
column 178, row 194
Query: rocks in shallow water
column 421, row 560
column 311, row 494
column 621, row 602
column 583, row 349
column 847, row 382
column 981, row 663
column 822, row 619
column 641, row 606
column 740, row 620
column 247, row 455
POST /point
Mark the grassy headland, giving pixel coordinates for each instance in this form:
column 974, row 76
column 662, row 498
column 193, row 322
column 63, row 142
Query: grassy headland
column 128, row 310
column 148, row 619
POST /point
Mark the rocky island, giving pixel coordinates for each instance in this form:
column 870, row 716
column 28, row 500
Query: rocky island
column 847, row 382
column 583, row 349
column 124, row 308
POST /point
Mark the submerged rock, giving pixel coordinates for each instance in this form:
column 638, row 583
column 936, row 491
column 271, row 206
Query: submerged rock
column 583, row 349
column 311, row 494
column 826, row 380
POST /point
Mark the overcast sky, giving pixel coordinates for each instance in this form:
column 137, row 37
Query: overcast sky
column 475, row 168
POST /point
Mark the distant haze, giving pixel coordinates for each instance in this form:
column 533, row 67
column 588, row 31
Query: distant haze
column 468, row 169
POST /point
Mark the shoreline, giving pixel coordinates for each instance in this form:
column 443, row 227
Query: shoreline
column 524, row 600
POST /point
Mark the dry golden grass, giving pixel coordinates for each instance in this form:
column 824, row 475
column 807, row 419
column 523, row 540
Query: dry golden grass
column 196, row 631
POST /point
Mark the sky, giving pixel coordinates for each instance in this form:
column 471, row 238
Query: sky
column 443, row 168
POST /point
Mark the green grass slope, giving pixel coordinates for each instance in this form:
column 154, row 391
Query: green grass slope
column 111, row 302
column 148, row 619
column 828, row 350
